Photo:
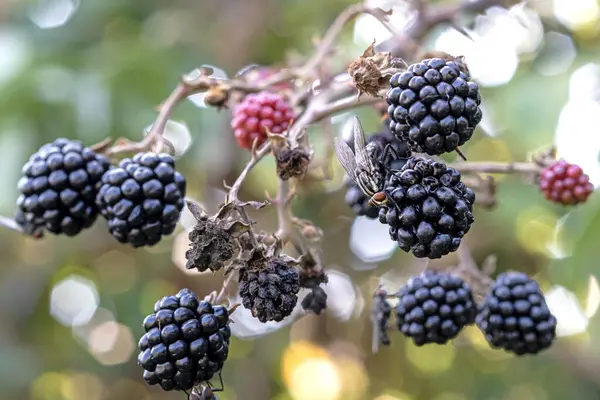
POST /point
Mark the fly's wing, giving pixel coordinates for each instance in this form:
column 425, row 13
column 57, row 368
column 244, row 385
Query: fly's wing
column 360, row 147
column 346, row 156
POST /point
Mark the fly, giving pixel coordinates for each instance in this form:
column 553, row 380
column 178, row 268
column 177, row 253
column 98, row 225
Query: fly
column 363, row 165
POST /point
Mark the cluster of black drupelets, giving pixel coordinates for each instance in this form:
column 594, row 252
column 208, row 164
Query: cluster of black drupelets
column 65, row 186
column 433, row 109
column 434, row 307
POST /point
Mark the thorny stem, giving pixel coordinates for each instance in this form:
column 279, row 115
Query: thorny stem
column 223, row 292
column 327, row 43
column 284, row 215
column 256, row 157
column 155, row 135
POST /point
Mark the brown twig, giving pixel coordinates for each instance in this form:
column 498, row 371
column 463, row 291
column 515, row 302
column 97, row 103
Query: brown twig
column 155, row 135
column 256, row 157
column 497, row 168
column 284, row 215
column 327, row 43
column 430, row 17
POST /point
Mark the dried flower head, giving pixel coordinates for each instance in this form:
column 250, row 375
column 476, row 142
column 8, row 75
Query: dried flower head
column 211, row 246
column 372, row 71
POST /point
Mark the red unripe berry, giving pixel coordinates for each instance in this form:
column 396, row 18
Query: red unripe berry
column 565, row 183
column 258, row 113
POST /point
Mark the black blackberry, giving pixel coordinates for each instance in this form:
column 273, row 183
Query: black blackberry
column 355, row 198
column 315, row 300
column 429, row 209
column 272, row 293
column 142, row 198
column 186, row 341
column 434, row 307
column 434, row 106
column 358, row 201
column 58, row 189
column 514, row 315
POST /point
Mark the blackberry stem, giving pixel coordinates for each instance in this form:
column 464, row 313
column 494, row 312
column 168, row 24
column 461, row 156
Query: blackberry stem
column 155, row 135
column 10, row 224
column 284, row 214
column 327, row 43
column 497, row 168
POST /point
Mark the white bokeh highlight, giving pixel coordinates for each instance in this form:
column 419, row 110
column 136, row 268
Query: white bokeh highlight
column 73, row 301
column 179, row 135
column 246, row 327
column 497, row 40
column 570, row 316
column 559, row 52
column 367, row 28
column 111, row 343
column 592, row 303
column 555, row 247
column 575, row 13
column 370, row 240
column 343, row 298
column 15, row 52
column 579, row 120
column 48, row 14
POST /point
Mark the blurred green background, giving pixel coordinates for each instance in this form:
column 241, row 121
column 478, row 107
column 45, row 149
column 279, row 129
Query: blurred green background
column 71, row 309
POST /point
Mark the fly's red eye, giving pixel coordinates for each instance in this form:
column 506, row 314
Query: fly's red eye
column 379, row 196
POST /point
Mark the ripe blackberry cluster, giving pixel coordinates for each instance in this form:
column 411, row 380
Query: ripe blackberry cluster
column 271, row 293
column 186, row 342
column 142, row 198
column 434, row 106
column 565, row 183
column 434, row 307
column 355, row 198
column 258, row 113
column 429, row 209
column 58, row 189
column 514, row 316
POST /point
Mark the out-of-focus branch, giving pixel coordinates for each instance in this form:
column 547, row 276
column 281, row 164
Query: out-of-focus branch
column 284, row 214
column 327, row 43
column 155, row 135
column 428, row 18
column 498, row 168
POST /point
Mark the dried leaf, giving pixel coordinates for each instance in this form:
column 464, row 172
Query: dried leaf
column 257, row 205
column 100, row 147
column 237, row 228
column 225, row 210
column 372, row 71
column 278, row 141
column 195, row 209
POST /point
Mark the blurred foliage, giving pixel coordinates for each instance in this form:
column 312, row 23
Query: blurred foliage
column 102, row 71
